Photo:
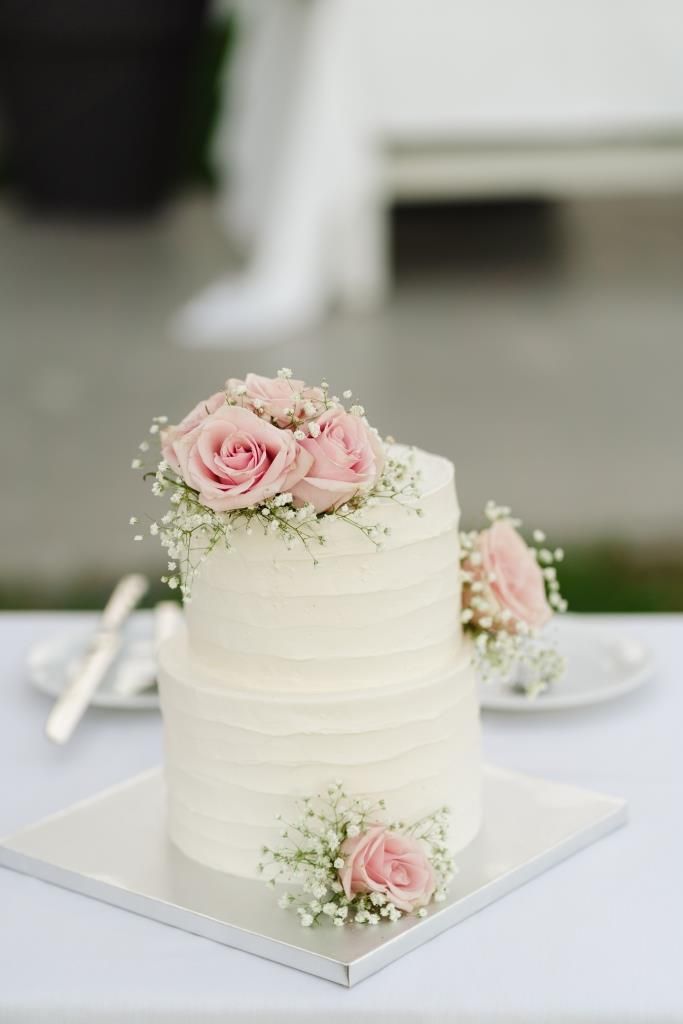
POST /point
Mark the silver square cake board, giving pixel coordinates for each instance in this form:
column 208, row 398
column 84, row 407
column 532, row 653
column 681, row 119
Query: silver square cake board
column 113, row 847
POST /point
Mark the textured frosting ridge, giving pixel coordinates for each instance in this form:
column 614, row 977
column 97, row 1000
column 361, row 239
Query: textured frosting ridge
column 290, row 675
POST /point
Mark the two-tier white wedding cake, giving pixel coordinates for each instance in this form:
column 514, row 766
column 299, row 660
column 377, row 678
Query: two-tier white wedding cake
column 291, row 674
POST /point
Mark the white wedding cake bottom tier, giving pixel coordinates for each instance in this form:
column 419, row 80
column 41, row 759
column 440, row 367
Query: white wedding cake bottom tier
column 236, row 758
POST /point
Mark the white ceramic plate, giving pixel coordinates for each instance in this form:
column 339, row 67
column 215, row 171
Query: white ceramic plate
column 51, row 661
column 603, row 662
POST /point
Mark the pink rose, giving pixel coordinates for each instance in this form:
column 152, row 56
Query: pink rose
column 234, row 459
column 273, row 396
column 512, row 576
column 347, row 457
column 170, row 435
column 386, row 862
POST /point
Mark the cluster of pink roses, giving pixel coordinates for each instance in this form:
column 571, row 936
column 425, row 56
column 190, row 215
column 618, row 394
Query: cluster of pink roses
column 264, row 436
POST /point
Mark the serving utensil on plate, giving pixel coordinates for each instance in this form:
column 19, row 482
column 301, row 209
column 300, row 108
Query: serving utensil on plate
column 93, row 666
column 139, row 670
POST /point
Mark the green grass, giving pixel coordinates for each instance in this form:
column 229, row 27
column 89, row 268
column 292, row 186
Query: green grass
column 615, row 578
column 594, row 578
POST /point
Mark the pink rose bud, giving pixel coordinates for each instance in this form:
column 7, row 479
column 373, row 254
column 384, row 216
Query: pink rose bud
column 347, row 457
column 280, row 399
column 234, row 459
column 388, row 863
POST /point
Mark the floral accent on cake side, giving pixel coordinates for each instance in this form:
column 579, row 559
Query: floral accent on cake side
column 273, row 454
column 350, row 867
column 510, row 591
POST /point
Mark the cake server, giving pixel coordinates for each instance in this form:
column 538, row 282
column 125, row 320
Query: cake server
column 139, row 672
column 70, row 705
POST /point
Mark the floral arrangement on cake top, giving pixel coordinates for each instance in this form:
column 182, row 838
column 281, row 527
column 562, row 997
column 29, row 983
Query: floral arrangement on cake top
column 510, row 591
column 268, row 453
column 352, row 868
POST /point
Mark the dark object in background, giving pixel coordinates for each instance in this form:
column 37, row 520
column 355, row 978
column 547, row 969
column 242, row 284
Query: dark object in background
column 92, row 94
column 506, row 235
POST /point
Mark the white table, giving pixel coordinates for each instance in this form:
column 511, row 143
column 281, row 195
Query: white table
column 597, row 939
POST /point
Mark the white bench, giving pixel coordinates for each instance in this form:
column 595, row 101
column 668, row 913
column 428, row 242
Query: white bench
column 337, row 108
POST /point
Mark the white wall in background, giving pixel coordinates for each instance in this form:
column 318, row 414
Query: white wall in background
column 505, row 66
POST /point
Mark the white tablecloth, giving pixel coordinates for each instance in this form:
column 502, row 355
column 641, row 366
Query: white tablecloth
column 598, row 938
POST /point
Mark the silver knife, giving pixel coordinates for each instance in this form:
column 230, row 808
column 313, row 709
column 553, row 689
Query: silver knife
column 72, row 702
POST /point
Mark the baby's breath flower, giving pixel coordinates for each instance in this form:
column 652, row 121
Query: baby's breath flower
column 309, row 859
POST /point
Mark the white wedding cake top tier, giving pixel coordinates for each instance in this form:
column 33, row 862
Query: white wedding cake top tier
column 263, row 617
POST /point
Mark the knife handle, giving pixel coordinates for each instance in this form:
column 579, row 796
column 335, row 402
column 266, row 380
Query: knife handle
column 123, row 599
column 72, row 702
column 167, row 617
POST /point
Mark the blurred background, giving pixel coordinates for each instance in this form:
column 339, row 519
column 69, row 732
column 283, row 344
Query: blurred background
column 469, row 213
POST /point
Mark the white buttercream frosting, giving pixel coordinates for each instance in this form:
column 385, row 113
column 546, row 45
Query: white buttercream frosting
column 290, row 675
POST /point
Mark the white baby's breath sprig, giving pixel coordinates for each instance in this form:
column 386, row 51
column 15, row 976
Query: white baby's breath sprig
column 311, row 858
